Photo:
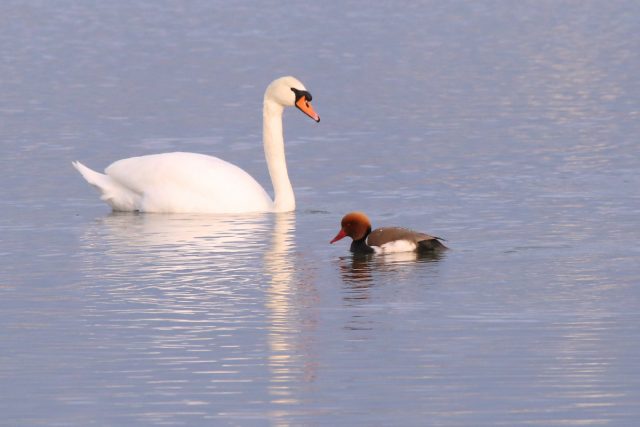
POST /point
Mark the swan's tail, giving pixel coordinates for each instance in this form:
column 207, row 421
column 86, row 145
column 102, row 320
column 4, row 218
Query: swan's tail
column 117, row 196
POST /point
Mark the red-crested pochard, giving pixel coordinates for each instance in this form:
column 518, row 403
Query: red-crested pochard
column 385, row 239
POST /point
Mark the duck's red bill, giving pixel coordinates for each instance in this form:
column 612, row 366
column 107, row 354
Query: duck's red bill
column 339, row 236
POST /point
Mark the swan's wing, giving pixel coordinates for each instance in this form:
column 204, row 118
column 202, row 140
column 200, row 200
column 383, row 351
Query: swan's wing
column 189, row 182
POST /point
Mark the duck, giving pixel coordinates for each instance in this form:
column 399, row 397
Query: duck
column 385, row 239
column 182, row 182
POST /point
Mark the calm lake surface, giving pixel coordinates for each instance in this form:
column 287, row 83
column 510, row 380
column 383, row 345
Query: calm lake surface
column 509, row 128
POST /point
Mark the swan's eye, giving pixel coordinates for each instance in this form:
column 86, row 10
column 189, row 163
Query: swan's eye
column 301, row 94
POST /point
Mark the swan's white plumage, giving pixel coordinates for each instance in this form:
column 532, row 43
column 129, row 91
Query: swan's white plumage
column 190, row 182
column 178, row 182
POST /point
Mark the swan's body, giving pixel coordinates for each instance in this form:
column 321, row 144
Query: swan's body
column 178, row 182
column 190, row 182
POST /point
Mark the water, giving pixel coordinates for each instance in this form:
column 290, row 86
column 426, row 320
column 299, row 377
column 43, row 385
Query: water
column 510, row 129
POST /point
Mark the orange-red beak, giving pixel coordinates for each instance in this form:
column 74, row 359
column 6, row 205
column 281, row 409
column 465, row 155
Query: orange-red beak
column 339, row 236
column 305, row 106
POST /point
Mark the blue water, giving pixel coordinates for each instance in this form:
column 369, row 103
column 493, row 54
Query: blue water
column 509, row 128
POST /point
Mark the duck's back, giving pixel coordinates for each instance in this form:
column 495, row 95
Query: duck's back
column 400, row 239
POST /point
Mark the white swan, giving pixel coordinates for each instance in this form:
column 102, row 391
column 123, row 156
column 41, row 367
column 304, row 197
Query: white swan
column 197, row 183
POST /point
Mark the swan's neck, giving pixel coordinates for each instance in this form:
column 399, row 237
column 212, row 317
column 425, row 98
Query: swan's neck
column 283, row 199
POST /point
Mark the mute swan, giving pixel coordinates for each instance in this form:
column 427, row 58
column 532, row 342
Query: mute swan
column 384, row 240
column 197, row 183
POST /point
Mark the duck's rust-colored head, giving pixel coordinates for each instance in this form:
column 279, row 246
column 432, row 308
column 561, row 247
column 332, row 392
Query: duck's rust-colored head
column 355, row 225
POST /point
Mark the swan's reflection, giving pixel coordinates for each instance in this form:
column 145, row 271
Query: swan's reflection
column 197, row 288
column 287, row 298
column 150, row 245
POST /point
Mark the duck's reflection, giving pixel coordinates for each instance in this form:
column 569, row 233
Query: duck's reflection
column 358, row 271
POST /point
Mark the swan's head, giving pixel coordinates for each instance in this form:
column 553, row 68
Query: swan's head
column 288, row 92
column 355, row 225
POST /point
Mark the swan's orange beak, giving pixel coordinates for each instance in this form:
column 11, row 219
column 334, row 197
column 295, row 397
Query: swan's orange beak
column 305, row 106
column 339, row 236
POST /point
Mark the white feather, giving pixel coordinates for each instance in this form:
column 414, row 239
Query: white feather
column 395, row 246
column 197, row 183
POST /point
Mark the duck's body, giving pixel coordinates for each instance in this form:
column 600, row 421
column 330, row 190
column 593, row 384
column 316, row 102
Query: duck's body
column 385, row 239
column 197, row 183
